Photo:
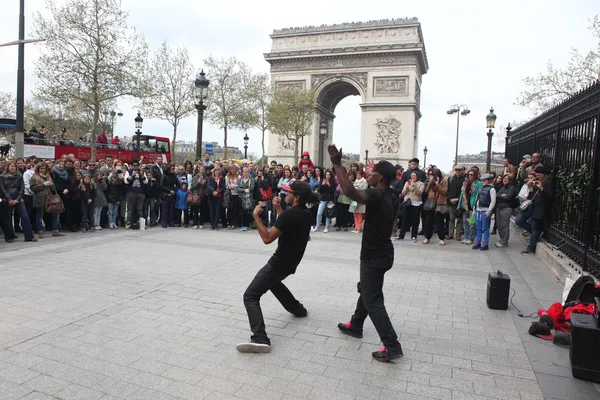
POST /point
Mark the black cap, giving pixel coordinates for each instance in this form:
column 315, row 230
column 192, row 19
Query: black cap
column 385, row 168
column 300, row 188
column 542, row 170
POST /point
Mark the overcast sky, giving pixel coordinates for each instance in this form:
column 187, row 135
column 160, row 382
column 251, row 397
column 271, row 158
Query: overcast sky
column 478, row 54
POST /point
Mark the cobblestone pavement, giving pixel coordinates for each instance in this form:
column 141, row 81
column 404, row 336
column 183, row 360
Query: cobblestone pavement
column 157, row 314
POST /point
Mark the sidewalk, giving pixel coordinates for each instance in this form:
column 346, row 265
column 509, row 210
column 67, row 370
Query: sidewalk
column 156, row 314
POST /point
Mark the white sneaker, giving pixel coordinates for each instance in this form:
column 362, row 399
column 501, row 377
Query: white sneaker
column 201, row 227
column 313, row 229
column 326, row 230
column 195, row 226
column 98, row 227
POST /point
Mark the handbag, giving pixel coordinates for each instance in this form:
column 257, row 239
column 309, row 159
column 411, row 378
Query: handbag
column 528, row 204
column 429, row 205
column 54, row 205
column 226, row 199
column 194, row 199
column 352, row 207
column 267, row 194
column 247, row 202
column 330, row 212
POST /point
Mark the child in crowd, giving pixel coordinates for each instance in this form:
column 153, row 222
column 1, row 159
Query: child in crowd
column 88, row 193
column 99, row 199
column 181, row 205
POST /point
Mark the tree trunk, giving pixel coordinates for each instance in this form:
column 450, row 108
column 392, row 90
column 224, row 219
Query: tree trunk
column 95, row 129
column 173, row 144
column 225, row 155
column 263, row 144
column 296, row 151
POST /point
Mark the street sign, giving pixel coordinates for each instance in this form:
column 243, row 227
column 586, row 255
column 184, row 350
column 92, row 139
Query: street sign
column 209, row 148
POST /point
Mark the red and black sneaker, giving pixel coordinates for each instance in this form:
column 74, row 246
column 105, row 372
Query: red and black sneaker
column 388, row 355
column 349, row 330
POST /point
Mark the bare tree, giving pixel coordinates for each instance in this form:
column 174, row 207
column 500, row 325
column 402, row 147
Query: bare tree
column 8, row 105
column 171, row 77
column 291, row 114
column 229, row 94
column 556, row 84
column 260, row 94
column 90, row 56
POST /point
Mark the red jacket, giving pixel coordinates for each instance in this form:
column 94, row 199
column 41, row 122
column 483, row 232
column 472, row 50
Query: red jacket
column 306, row 162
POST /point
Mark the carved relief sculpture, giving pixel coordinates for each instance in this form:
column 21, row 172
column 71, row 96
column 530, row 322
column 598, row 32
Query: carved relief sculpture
column 291, row 85
column 360, row 78
column 388, row 135
column 285, row 145
column 387, row 86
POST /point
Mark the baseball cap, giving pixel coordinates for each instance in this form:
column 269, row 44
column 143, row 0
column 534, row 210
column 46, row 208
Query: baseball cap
column 485, row 177
column 385, row 168
column 300, row 188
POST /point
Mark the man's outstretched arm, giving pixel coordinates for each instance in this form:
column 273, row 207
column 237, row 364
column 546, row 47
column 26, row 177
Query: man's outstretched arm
column 360, row 196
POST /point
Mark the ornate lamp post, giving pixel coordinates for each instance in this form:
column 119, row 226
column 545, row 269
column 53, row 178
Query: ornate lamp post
column 112, row 114
column 246, row 139
column 458, row 110
column 322, row 137
column 491, row 122
column 201, row 94
column 138, row 131
column 425, row 157
column 366, row 156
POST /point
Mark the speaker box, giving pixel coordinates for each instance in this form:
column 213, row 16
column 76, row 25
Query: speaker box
column 498, row 288
column 584, row 351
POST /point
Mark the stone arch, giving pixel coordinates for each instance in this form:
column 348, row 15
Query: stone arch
column 381, row 61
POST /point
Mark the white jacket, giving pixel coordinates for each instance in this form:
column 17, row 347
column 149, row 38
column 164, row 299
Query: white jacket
column 27, row 181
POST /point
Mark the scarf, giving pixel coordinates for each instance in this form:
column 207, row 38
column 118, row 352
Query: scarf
column 62, row 174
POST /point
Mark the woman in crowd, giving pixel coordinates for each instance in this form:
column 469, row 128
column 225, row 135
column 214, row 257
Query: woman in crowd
column 433, row 210
column 327, row 194
column 541, row 196
column 359, row 212
column 115, row 194
column 170, row 184
column 88, row 193
column 234, row 210
column 486, row 202
column 62, row 182
column 42, row 186
column 285, row 180
column 215, row 187
column 100, row 201
column 505, row 200
column 412, row 192
column 498, row 183
column 246, row 194
column 12, row 188
column 468, row 198
column 199, row 185
column 342, row 220
column 265, row 188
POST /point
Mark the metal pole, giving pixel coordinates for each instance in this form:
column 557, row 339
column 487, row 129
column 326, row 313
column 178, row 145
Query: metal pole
column 20, row 125
column 138, row 133
column 245, row 151
column 321, row 150
column 366, row 156
column 425, row 159
column 457, row 126
column 201, row 107
column 488, row 161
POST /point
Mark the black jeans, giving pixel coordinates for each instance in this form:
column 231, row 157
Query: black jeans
column 410, row 220
column 135, row 205
column 268, row 278
column 370, row 301
column 432, row 217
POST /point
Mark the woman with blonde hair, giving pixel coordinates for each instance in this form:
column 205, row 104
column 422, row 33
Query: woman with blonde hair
column 42, row 186
column 234, row 208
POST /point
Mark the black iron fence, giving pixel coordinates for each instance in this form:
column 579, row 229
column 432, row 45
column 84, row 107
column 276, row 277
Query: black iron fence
column 567, row 137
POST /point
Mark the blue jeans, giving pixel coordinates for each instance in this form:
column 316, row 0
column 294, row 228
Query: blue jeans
column 320, row 211
column 468, row 229
column 537, row 226
column 482, row 228
column 87, row 214
column 113, row 212
column 214, row 204
column 39, row 217
column 523, row 220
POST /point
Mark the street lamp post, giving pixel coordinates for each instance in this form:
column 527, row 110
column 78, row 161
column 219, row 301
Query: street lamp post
column 322, row 137
column 138, row 131
column 246, row 139
column 425, row 157
column 366, row 156
column 458, row 110
column 201, row 94
column 113, row 114
column 490, row 123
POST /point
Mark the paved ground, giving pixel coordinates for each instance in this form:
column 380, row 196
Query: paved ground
column 157, row 314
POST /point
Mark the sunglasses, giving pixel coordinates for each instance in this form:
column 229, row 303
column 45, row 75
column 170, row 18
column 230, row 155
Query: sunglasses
column 471, row 174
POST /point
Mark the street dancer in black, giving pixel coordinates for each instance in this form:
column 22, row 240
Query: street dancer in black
column 292, row 228
column 377, row 253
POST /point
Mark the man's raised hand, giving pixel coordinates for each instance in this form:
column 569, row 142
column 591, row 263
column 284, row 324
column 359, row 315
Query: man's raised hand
column 335, row 155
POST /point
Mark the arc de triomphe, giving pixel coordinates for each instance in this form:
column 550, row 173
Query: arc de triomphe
column 380, row 61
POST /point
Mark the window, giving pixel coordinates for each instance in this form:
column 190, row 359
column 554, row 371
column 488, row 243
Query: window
column 162, row 146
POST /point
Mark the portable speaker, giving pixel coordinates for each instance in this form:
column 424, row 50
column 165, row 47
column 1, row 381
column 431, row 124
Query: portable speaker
column 498, row 287
column 584, row 351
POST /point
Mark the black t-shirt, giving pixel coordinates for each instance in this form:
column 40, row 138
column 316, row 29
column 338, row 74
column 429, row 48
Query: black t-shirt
column 294, row 224
column 379, row 221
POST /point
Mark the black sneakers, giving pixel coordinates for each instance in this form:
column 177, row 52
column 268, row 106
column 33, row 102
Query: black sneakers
column 388, row 354
column 349, row 330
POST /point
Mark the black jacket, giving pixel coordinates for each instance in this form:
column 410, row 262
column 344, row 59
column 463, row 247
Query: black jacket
column 506, row 202
column 89, row 194
column 542, row 202
column 455, row 185
column 154, row 189
column 115, row 192
column 211, row 186
column 11, row 187
column 169, row 182
column 327, row 192
column 397, row 189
